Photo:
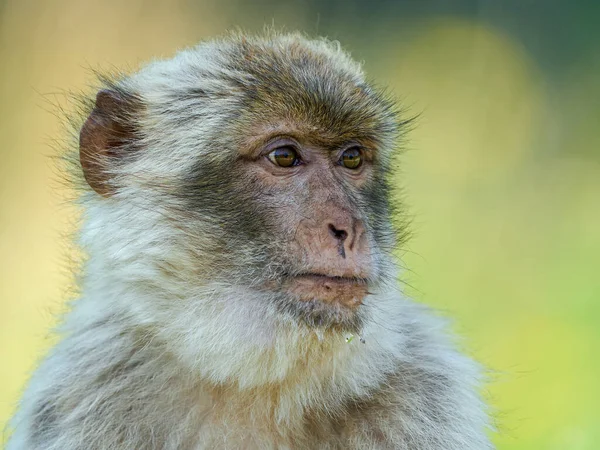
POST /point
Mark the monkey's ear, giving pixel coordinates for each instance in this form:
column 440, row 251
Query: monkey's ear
column 108, row 134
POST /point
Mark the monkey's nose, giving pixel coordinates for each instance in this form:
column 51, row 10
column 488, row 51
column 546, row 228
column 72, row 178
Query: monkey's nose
column 340, row 235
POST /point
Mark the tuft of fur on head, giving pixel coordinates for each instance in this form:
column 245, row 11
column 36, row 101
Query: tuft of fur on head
column 172, row 316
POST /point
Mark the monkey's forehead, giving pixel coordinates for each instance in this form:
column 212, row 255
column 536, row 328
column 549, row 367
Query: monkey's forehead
column 253, row 80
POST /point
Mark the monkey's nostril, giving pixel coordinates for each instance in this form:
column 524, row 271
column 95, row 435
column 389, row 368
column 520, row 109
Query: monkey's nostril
column 338, row 234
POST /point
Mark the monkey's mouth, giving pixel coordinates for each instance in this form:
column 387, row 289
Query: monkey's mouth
column 348, row 292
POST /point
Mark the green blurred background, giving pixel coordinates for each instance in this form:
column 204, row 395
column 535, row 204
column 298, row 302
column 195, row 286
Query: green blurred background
column 502, row 173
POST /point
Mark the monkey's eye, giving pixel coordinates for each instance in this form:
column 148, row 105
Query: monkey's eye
column 284, row 157
column 351, row 158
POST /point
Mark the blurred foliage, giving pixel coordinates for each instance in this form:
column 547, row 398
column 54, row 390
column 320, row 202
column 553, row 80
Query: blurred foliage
column 502, row 173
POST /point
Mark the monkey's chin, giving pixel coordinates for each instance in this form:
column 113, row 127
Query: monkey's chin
column 324, row 301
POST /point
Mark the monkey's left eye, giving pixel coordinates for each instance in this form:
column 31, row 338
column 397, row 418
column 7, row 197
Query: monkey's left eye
column 284, row 157
column 351, row 158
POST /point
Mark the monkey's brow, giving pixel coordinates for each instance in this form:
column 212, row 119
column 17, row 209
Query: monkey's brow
column 328, row 141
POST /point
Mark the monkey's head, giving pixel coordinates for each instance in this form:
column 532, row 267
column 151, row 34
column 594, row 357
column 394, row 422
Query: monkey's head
column 257, row 166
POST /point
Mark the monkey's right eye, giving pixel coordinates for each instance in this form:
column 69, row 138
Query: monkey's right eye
column 284, row 157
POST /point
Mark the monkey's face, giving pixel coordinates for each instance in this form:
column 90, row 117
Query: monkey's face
column 281, row 175
column 316, row 227
column 301, row 191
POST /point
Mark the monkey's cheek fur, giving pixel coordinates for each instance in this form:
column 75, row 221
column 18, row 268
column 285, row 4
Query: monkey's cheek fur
column 344, row 292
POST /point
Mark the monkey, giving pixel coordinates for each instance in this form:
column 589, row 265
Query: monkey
column 240, row 289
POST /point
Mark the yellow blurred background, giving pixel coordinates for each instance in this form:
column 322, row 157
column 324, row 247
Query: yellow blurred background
column 502, row 174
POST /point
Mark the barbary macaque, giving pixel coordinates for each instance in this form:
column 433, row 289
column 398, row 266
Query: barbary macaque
column 240, row 289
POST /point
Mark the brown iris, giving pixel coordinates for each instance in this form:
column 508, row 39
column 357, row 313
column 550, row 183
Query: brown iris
column 284, row 157
column 351, row 158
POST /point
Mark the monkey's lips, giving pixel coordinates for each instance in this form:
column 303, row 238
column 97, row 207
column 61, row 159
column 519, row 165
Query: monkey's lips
column 348, row 292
